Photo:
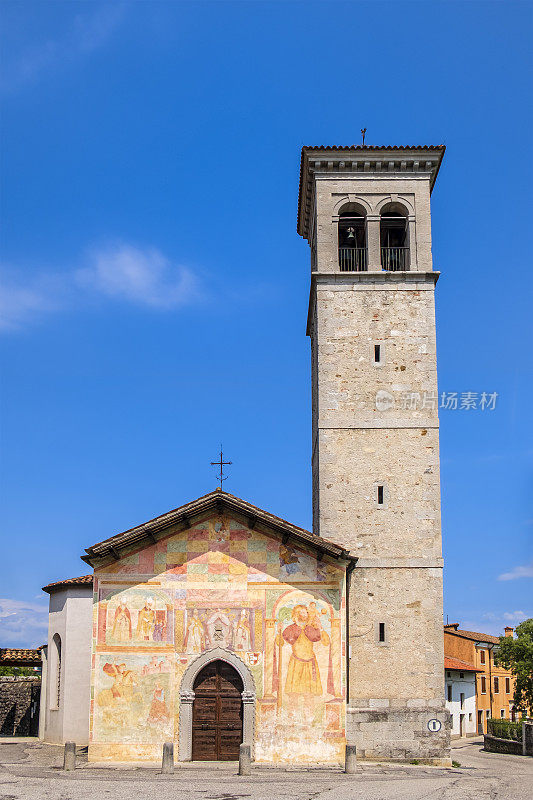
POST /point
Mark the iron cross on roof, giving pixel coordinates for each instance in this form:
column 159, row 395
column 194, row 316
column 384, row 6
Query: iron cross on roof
column 221, row 463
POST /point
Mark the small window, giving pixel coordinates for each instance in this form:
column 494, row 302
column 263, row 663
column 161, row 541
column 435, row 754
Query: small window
column 482, row 656
column 461, row 674
column 381, row 629
column 470, row 717
column 380, row 494
column 502, row 713
column 462, row 699
column 496, row 686
column 507, row 685
column 483, row 685
column 487, row 713
column 449, row 693
column 449, row 675
column 377, row 354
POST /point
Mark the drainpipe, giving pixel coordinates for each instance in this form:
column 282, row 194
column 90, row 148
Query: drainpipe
column 490, row 679
column 349, row 569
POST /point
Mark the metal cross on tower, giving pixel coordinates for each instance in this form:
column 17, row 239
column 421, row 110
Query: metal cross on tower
column 221, row 463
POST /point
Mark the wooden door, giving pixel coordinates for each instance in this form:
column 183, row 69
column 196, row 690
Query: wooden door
column 217, row 713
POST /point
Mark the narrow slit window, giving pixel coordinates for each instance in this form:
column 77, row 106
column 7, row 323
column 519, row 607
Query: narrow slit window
column 381, row 631
column 449, row 693
column 380, row 495
column 377, row 354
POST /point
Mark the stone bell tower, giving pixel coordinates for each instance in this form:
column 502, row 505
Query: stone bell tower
column 365, row 212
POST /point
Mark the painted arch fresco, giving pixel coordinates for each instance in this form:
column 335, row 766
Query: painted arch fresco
column 219, row 585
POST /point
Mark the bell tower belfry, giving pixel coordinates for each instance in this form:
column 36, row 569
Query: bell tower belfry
column 365, row 212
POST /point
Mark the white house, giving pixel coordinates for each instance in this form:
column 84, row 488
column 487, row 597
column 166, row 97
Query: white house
column 460, row 683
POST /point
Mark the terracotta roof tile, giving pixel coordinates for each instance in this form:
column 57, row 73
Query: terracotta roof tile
column 456, row 663
column 23, row 655
column 83, row 579
column 476, row 637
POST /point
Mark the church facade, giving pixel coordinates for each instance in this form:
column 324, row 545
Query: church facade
column 219, row 623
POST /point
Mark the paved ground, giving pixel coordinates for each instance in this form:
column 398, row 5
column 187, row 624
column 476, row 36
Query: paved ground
column 32, row 771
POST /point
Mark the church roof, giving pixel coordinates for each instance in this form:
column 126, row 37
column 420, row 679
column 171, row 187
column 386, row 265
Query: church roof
column 365, row 158
column 83, row 579
column 217, row 501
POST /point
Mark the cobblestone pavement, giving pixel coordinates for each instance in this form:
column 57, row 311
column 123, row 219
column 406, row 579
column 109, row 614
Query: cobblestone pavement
column 32, row 771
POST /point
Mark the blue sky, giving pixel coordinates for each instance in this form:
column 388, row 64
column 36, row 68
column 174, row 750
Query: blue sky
column 155, row 289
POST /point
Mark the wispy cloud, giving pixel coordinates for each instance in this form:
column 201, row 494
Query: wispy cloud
column 21, row 303
column 120, row 272
column 22, row 623
column 85, row 33
column 142, row 276
column 525, row 571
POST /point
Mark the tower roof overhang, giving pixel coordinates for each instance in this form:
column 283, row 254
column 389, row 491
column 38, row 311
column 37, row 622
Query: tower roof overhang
column 185, row 516
column 417, row 159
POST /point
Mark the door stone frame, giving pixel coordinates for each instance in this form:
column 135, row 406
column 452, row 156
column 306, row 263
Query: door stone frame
column 187, row 698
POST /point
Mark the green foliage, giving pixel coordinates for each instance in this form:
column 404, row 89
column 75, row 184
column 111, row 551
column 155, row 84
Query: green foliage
column 18, row 671
column 516, row 655
column 414, row 761
column 456, row 764
column 505, row 729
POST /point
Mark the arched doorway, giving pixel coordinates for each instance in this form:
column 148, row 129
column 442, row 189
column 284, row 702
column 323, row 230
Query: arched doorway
column 217, row 713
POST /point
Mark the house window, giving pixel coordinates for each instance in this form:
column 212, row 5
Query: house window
column 462, row 699
column 496, row 686
column 448, row 674
column 487, row 712
column 449, row 693
column 507, row 685
column 470, row 717
column 483, row 685
column 482, row 656
column 461, row 674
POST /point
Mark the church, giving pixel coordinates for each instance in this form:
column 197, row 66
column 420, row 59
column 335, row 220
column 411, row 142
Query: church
column 219, row 623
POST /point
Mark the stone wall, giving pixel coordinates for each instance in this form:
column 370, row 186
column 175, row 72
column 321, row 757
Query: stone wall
column 399, row 731
column 19, row 697
column 495, row 745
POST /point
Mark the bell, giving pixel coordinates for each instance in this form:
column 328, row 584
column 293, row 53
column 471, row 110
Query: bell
column 351, row 233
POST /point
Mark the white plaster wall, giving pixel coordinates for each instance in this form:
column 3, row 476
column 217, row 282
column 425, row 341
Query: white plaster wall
column 70, row 616
column 467, row 686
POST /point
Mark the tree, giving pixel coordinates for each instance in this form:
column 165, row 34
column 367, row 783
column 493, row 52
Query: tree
column 516, row 655
column 18, row 671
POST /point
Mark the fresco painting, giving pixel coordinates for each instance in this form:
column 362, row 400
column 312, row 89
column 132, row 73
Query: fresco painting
column 273, row 605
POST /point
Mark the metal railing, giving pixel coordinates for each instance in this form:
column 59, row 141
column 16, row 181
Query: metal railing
column 394, row 259
column 352, row 259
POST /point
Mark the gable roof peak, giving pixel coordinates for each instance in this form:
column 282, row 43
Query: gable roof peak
column 217, row 501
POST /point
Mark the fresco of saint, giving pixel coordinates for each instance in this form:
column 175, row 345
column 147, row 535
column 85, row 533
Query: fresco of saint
column 146, row 621
column 159, row 713
column 195, row 636
column 303, row 675
column 243, row 634
column 123, row 689
column 122, row 623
